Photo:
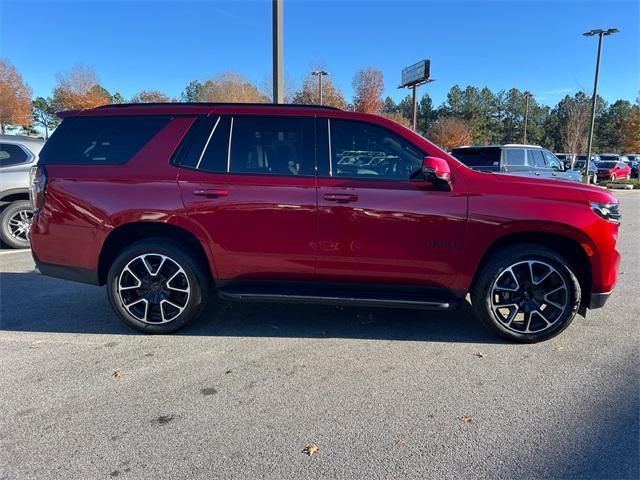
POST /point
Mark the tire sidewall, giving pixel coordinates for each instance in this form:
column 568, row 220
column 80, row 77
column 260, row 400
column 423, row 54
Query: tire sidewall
column 498, row 266
column 197, row 282
column 5, row 232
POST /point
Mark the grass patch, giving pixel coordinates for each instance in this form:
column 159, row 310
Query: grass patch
column 632, row 181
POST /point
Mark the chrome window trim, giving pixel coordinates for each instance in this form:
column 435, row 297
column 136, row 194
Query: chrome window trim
column 229, row 147
column 329, row 141
column 206, row 145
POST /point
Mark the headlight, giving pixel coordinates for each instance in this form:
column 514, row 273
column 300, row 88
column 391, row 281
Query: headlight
column 608, row 211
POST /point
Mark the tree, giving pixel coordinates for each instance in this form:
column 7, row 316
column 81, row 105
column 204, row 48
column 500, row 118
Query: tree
column 44, row 115
column 230, row 87
column 397, row 117
column 192, row 92
column 426, row 113
column 309, row 94
column 149, row 96
column 450, row 132
column 79, row 89
column 15, row 98
column 610, row 127
column 389, row 106
column 631, row 130
column 368, row 85
column 117, row 99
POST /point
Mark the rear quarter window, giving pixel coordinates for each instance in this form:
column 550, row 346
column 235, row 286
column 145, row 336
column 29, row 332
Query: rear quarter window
column 100, row 140
column 479, row 158
column 11, row 154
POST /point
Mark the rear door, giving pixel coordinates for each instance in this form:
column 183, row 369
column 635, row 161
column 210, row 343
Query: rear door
column 374, row 223
column 249, row 182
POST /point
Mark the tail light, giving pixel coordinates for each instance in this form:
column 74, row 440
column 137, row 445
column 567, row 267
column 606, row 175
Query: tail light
column 37, row 186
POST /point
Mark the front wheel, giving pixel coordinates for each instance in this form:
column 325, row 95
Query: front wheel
column 613, row 177
column 157, row 287
column 526, row 293
column 595, row 179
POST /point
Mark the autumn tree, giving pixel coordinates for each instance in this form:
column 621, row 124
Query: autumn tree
column 309, row 94
column 150, row 96
column 79, row 89
column 368, row 86
column 398, row 118
column 450, row 132
column 44, row 115
column 631, row 130
column 226, row 87
column 15, row 98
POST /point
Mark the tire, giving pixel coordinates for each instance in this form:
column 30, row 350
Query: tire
column 156, row 286
column 613, row 177
column 526, row 264
column 15, row 223
column 595, row 179
column 628, row 177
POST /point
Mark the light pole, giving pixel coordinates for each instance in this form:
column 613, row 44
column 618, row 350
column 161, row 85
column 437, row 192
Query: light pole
column 592, row 33
column 527, row 96
column 278, row 52
column 320, row 74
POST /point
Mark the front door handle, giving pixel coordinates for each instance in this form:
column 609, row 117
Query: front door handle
column 340, row 197
column 211, row 192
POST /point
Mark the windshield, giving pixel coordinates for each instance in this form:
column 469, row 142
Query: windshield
column 608, row 157
column 606, row 164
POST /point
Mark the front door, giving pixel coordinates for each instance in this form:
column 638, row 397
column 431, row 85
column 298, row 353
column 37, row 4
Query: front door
column 374, row 223
column 249, row 183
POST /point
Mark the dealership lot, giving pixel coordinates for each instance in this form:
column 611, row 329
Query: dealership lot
column 382, row 393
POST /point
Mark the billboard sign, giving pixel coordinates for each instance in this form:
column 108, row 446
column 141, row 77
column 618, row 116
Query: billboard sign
column 416, row 73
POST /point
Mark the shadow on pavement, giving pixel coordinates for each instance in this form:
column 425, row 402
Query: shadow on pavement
column 33, row 303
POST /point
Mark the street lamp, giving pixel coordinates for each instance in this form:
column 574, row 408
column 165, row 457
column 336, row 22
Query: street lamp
column 527, row 96
column 320, row 74
column 592, row 33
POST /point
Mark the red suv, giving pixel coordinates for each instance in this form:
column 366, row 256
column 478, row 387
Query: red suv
column 171, row 205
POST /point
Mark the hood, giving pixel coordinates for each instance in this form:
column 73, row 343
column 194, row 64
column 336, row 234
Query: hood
column 558, row 190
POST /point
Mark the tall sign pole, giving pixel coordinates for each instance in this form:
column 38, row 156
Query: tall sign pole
column 527, row 96
column 320, row 74
column 412, row 77
column 278, row 52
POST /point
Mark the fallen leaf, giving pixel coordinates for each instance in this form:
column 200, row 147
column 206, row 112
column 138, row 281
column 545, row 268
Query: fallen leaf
column 401, row 440
column 559, row 349
column 37, row 344
column 118, row 373
column 466, row 418
column 480, row 354
column 311, row 449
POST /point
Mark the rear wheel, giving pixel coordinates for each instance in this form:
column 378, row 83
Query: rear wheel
column 156, row 286
column 527, row 293
column 15, row 224
column 613, row 177
column 595, row 179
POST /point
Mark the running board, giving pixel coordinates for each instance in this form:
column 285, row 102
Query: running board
column 413, row 303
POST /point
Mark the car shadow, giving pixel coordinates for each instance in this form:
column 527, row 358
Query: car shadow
column 30, row 302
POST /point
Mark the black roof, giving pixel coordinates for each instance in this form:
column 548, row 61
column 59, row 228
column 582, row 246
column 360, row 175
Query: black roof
column 214, row 104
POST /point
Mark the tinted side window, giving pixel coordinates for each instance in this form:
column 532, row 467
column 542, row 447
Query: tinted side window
column 515, row 157
column 272, row 145
column 487, row 157
column 11, row 154
column 363, row 150
column 536, row 158
column 100, row 140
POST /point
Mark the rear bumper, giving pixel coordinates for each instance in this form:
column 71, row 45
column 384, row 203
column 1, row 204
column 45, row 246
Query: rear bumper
column 598, row 300
column 76, row 274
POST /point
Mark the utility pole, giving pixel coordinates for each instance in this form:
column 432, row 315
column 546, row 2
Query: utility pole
column 601, row 33
column 278, row 52
column 527, row 96
column 320, row 74
column 414, row 120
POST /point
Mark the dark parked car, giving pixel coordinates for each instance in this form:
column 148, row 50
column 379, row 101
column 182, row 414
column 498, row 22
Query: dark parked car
column 172, row 205
column 567, row 159
column 522, row 160
column 633, row 160
column 580, row 165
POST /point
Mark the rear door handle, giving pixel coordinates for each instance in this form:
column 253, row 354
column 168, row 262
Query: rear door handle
column 211, row 192
column 340, row 197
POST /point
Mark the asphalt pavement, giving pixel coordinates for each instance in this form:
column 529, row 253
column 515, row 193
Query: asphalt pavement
column 381, row 393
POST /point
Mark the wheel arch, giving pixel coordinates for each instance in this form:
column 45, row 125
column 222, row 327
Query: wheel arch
column 129, row 233
column 564, row 245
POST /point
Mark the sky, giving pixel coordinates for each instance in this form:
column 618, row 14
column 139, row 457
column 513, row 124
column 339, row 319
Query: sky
column 163, row 45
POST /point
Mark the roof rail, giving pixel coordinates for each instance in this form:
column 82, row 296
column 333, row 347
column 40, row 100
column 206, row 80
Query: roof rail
column 215, row 104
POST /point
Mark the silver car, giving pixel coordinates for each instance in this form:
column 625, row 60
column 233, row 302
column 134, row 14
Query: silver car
column 17, row 155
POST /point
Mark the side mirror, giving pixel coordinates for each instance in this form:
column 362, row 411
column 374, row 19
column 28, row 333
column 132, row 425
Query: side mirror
column 435, row 170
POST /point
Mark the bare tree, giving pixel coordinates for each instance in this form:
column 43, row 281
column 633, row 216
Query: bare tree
column 15, row 98
column 230, row 87
column 575, row 130
column 368, row 85
column 309, row 94
column 79, row 89
column 450, row 132
column 150, row 96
